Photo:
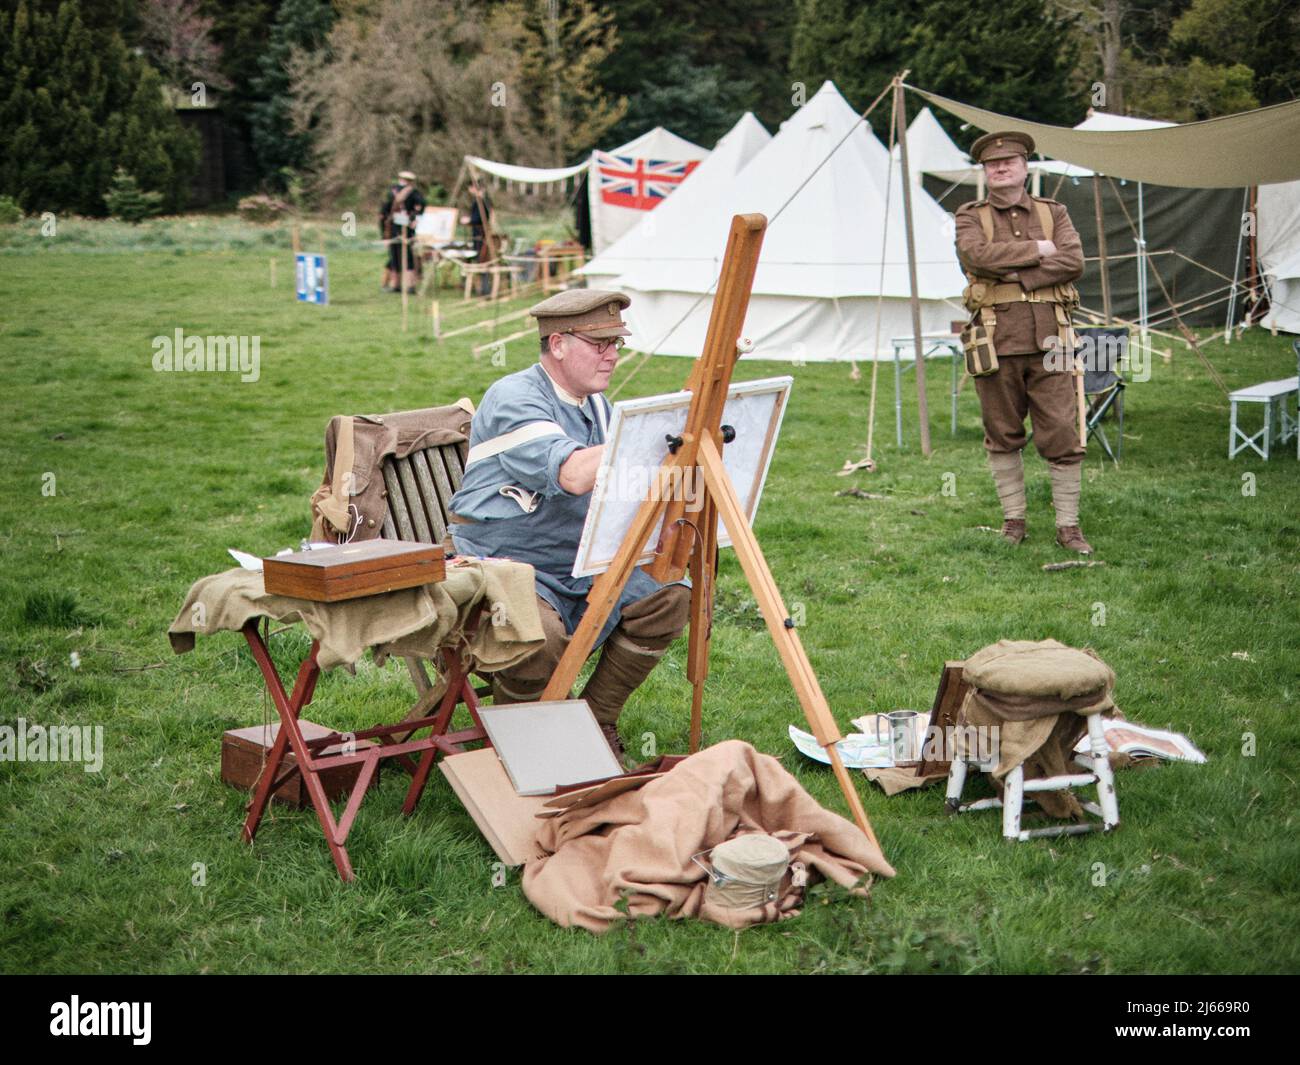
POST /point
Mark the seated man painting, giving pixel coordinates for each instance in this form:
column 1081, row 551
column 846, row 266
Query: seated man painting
column 535, row 445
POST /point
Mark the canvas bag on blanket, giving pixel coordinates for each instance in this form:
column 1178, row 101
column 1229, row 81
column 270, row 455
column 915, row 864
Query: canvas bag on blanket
column 344, row 508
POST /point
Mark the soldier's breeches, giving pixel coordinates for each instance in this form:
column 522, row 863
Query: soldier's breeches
column 644, row 631
column 1022, row 387
column 525, row 681
column 642, row 635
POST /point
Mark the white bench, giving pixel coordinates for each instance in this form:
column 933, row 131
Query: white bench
column 1273, row 394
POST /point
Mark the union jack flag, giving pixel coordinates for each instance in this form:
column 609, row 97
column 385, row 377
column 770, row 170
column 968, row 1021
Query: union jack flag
column 641, row 184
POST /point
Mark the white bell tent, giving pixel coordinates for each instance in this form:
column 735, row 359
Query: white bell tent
column 625, row 184
column 821, row 292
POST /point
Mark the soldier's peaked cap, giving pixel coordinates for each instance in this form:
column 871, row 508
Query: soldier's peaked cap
column 1002, row 146
column 593, row 312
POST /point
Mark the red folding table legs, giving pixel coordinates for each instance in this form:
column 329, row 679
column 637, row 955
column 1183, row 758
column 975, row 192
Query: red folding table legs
column 310, row 763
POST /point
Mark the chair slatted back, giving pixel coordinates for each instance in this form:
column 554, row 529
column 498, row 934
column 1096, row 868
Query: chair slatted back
column 420, row 487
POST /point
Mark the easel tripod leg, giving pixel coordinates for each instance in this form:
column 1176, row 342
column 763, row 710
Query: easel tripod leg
column 788, row 645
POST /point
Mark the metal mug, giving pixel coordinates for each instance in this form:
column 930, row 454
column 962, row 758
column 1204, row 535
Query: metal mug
column 903, row 739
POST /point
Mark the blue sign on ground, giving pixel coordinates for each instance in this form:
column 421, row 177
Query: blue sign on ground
column 312, row 279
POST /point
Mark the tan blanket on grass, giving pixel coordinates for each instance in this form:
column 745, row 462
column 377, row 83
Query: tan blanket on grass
column 413, row 621
column 640, row 844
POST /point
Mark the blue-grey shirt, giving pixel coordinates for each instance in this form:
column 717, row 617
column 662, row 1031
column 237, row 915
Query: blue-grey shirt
column 522, row 433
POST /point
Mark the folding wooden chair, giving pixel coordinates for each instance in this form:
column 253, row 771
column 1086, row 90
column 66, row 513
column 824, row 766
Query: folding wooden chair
column 420, row 487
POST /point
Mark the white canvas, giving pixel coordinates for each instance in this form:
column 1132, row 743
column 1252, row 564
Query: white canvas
column 548, row 745
column 637, row 446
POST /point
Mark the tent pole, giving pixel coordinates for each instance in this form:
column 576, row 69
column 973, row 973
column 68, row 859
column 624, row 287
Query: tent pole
column 900, row 123
column 1101, row 248
column 1143, row 306
column 1236, row 266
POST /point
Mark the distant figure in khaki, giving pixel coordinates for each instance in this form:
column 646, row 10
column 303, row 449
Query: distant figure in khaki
column 1022, row 255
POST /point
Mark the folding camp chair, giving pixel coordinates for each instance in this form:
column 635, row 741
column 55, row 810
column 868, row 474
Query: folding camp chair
column 1103, row 386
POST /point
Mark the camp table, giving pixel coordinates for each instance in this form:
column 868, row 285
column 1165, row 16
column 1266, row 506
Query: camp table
column 237, row 600
column 1271, row 394
column 932, row 344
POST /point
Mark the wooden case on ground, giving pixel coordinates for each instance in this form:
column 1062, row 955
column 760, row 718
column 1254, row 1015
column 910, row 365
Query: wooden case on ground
column 244, row 751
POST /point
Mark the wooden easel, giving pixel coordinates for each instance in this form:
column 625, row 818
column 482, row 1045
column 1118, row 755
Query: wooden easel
column 684, row 544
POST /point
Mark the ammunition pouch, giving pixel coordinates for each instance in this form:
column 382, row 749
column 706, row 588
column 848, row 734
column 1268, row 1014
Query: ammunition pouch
column 977, row 343
column 980, row 297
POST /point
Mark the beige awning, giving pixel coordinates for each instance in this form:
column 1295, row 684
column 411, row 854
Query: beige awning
column 1259, row 147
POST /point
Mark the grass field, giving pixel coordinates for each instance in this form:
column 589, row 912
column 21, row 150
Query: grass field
column 154, row 475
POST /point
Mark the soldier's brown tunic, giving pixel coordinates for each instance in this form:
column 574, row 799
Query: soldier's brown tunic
column 1021, row 385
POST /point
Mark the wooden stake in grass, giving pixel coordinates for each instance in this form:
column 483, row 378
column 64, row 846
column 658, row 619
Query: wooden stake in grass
column 273, row 271
column 405, row 294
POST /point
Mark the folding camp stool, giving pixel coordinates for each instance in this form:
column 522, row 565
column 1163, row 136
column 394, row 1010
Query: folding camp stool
column 311, row 763
column 1274, row 395
column 1015, row 787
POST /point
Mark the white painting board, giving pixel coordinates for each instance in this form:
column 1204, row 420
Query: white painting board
column 437, row 225
column 636, row 447
column 547, row 745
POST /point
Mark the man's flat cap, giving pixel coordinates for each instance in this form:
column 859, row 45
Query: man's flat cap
column 594, row 312
column 1002, row 146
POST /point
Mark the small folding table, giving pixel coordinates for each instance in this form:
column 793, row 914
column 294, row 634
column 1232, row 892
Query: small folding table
column 447, row 621
column 311, row 764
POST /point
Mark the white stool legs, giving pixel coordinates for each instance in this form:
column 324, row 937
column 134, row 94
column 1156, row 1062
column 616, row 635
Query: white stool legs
column 1015, row 787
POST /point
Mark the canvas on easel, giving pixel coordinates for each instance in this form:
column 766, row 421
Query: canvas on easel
column 637, row 445
column 437, row 225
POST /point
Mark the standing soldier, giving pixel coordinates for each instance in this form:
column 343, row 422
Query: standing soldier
column 397, row 218
column 1022, row 255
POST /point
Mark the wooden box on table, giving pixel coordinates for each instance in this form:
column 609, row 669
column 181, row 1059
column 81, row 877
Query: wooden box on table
column 349, row 571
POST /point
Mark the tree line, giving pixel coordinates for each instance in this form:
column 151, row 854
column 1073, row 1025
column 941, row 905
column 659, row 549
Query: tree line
column 334, row 95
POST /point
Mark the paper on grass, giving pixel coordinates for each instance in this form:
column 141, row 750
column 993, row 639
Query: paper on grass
column 1128, row 737
column 857, row 751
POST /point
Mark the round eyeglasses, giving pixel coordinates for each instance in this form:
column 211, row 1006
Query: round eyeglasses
column 601, row 346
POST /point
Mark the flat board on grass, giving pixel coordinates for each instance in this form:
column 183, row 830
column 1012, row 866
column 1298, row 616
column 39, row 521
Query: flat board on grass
column 507, row 819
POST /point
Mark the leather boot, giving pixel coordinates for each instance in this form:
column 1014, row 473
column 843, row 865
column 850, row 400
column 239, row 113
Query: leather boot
column 1013, row 531
column 1071, row 538
column 624, row 664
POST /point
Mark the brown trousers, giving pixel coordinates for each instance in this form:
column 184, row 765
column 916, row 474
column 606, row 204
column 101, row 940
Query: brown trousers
column 1022, row 386
column 644, row 631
